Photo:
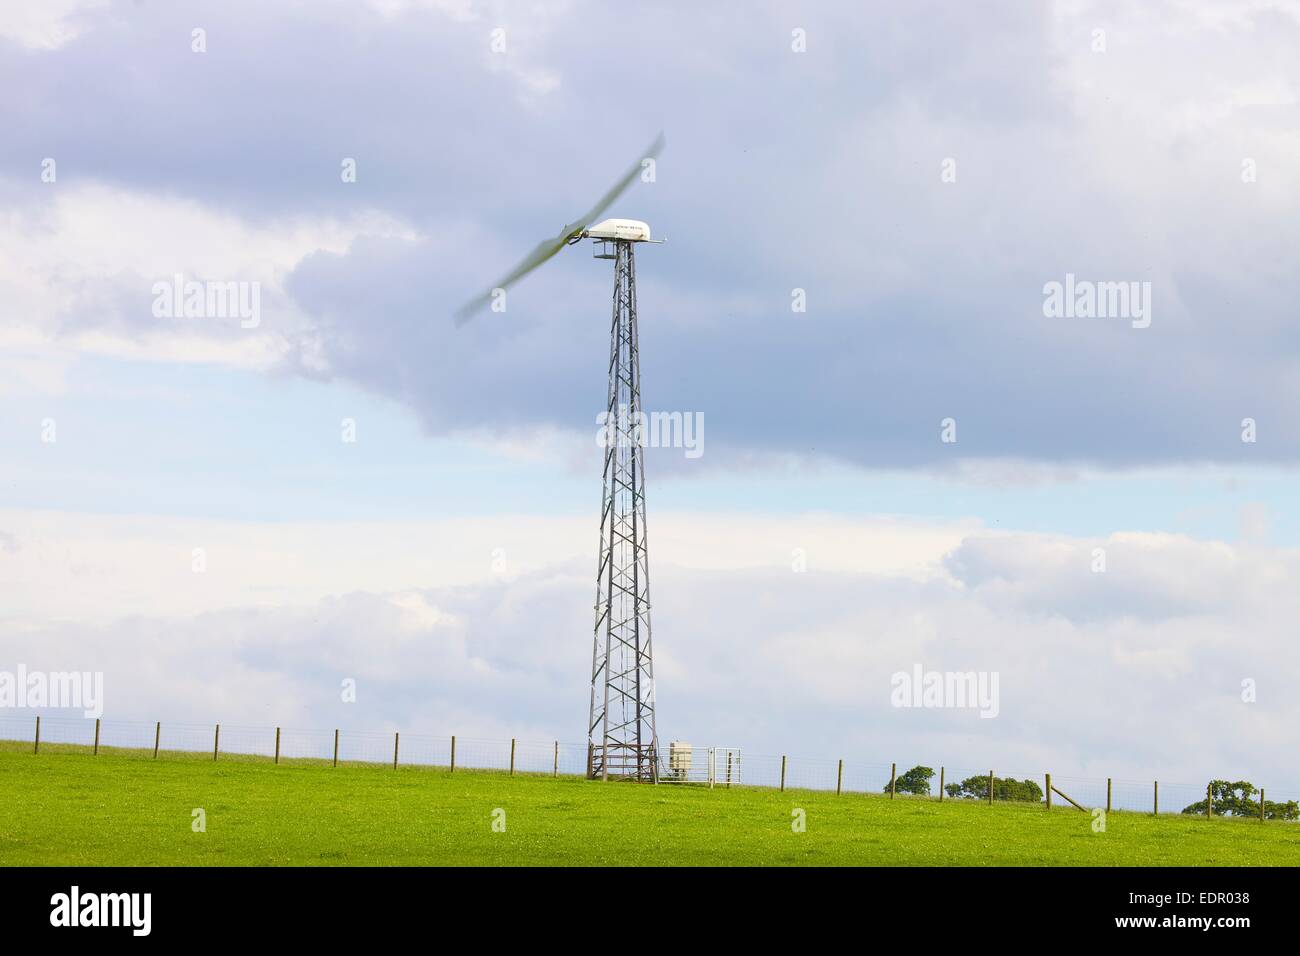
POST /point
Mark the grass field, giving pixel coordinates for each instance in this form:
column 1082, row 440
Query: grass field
column 122, row 808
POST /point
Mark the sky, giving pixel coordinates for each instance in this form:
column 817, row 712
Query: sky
column 908, row 458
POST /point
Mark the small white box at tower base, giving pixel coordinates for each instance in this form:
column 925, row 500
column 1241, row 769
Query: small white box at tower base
column 679, row 758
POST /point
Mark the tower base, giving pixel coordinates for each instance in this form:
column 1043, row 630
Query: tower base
column 622, row 762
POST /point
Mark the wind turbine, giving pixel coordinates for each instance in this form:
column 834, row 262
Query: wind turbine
column 621, row 736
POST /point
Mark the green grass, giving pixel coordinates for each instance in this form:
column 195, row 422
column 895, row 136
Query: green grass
column 67, row 807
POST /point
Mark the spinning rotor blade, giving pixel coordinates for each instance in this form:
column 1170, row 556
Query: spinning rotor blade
column 545, row 249
column 616, row 190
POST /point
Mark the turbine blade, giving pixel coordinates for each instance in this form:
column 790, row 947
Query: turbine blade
column 549, row 247
column 618, row 188
column 543, row 251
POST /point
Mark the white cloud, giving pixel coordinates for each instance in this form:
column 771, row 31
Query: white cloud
column 47, row 24
column 1133, row 673
column 93, row 567
column 78, row 270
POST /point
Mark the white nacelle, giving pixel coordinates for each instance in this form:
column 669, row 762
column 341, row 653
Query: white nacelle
column 632, row 230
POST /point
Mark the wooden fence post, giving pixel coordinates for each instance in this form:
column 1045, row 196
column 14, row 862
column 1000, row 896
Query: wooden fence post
column 783, row 773
column 96, row 753
column 990, row 788
column 1209, row 801
column 1155, row 797
column 1261, row 805
column 893, row 774
column 453, row 753
column 157, row 738
column 277, row 744
column 941, row 784
column 336, row 746
column 396, row 737
column 216, row 742
column 555, row 770
column 512, row 756
column 1048, row 779
column 839, row 778
column 37, row 748
column 1108, row 794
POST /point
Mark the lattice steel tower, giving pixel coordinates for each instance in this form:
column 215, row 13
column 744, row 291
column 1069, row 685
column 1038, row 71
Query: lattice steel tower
column 621, row 740
column 621, row 730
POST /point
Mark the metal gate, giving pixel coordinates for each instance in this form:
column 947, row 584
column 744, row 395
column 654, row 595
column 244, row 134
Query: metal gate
column 714, row 766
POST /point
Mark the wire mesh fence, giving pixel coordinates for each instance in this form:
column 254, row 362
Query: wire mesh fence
column 712, row 766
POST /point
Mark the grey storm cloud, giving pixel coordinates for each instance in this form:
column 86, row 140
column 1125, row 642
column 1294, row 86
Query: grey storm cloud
column 817, row 171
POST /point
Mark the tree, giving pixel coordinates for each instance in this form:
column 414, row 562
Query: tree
column 1004, row 788
column 1233, row 799
column 916, row 780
